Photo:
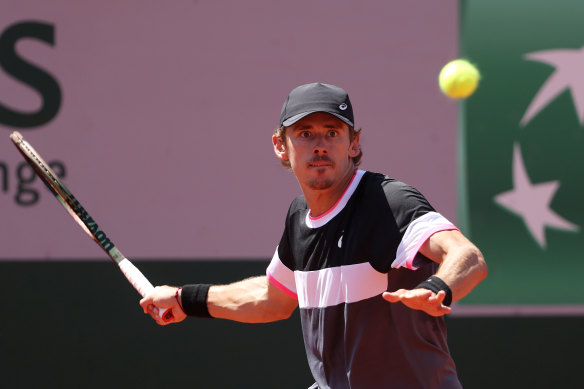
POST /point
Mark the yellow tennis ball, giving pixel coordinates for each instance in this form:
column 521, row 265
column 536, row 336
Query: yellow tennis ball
column 458, row 79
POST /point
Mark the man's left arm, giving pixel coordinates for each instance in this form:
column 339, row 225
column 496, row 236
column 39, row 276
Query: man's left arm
column 462, row 267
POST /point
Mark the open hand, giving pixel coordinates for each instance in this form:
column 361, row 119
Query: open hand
column 420, row 299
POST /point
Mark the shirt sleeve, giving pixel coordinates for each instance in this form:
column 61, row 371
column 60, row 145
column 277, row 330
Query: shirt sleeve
column 417, row 232
column 281, row 276
column 280, row 271
column 416, row 220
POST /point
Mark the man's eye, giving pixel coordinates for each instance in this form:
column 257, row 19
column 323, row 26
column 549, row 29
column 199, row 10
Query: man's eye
column 305, row 134
column 333, row 133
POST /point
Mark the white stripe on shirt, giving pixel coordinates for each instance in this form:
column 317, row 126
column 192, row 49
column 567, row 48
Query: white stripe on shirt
column 336, row 285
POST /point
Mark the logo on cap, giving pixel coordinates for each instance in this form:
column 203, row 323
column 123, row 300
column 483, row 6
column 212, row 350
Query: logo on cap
column 343, row 106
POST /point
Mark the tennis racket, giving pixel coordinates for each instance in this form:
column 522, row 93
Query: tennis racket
column 82, row 217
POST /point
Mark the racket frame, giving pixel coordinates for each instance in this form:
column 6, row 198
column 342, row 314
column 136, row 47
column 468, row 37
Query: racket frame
column 84, row 219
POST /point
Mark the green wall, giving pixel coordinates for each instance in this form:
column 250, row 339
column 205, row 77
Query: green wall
column 524, row 49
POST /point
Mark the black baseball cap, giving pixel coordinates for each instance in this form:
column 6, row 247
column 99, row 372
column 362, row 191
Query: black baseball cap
column 316, row 97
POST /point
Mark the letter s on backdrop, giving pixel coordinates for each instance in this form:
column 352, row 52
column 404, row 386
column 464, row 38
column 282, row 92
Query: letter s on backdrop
column 29, row 74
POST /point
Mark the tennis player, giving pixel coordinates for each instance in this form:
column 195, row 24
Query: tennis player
column 371, row 265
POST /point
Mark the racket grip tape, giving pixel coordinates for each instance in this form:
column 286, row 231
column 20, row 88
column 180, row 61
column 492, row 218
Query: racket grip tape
column 142, row 285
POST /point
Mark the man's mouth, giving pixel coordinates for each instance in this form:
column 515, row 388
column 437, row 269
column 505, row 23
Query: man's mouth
column 320, row 162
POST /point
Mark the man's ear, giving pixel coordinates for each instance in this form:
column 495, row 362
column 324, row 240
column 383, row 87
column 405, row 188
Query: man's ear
column 280, row 147
column 354, row 147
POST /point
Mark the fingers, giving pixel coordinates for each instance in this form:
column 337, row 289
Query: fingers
column 145, row 303
column 154, row 302
column 154, row 313
column 391, row 297
column 440, row 310
column 406, row 294
column 161, row 299
column 441, row 296
column 420, row 299
column 149, row 299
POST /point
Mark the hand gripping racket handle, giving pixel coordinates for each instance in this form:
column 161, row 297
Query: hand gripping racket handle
column 142, row 285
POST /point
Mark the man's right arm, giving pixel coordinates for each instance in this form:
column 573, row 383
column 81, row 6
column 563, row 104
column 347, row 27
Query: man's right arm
column 253, row 300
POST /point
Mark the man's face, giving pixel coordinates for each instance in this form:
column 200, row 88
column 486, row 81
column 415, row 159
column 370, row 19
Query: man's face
column 319, row 149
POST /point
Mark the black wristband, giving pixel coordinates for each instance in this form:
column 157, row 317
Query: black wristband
column 194, row 300
column 435, row 284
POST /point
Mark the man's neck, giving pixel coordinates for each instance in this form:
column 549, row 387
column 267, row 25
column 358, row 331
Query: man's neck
column 321, row 200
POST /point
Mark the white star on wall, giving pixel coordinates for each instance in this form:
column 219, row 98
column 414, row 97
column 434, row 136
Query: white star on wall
column 569, row 73
column 532, row 202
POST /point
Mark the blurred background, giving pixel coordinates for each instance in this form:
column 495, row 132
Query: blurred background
column 159, row 118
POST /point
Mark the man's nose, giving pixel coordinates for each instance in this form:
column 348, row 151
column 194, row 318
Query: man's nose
column 320, row 146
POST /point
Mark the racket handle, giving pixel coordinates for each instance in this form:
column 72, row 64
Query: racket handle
column 142, row 285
